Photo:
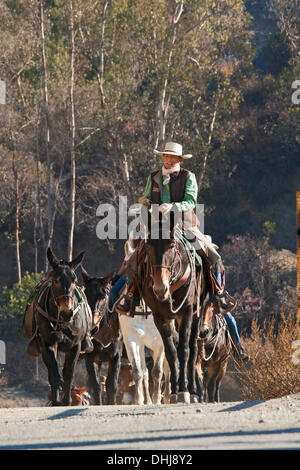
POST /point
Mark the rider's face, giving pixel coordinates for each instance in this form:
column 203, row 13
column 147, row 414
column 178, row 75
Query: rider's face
column 171, row 160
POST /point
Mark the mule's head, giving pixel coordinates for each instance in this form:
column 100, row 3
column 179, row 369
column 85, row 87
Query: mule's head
column 161, row 251
column 63, row 281
column 96, row 291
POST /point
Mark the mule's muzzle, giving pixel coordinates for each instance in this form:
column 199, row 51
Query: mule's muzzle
column 203, row 331
column 162, row 293
column 66, row 308
column 67, row 315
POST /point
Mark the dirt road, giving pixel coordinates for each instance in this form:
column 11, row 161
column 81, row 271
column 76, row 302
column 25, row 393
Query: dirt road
column 273, row 424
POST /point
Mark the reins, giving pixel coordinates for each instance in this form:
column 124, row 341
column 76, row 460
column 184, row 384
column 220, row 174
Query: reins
column 214, row 338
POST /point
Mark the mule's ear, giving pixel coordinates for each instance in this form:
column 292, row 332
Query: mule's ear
column 108, row 278
column 85, row 275
column 53, row 260
column 77, row 261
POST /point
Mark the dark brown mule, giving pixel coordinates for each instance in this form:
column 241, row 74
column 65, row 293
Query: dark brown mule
column 167, row 283
column 62, row 319
column 97, row 293
column 214, row 350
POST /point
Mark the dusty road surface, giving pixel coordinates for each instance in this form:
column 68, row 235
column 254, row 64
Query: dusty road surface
column 272, row 424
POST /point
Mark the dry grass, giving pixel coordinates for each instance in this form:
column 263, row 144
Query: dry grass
column 271, row 372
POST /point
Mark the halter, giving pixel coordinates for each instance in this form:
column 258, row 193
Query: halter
column 56, row 297
column 45, row 313
column 192, row 275
column 102, row 304
column 162, row 266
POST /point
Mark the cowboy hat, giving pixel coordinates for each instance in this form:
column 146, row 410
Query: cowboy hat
column 171, row 148
column 209, row 239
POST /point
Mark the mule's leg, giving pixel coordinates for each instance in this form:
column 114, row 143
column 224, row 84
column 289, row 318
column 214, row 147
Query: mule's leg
column 219, row 378
column 211, row 383
column 114, row 366
column 93, row 378
column 183, row 355
column 200, row 388
column 157, row 373
column 145, row 375
column 132, row 349
column 49, row 358
column 167, row 334
column 71, row 358
column 167, row 385
column 192, row 372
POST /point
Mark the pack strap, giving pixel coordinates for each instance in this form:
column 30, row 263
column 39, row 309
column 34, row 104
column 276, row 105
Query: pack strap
column 190, row 247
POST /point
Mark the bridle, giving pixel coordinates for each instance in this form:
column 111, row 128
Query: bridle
column 101, row 304
column 162, row 266
column 101, row 308
column 192, row 274
column 66, row 296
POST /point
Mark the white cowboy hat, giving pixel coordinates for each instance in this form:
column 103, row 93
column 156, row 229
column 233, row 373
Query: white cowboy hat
column 171, row 148
column 209, row 239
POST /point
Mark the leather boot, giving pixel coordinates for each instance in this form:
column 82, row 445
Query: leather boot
column 242, row 356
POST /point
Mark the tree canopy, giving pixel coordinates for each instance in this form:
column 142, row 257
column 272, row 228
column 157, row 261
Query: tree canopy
column 107, row 81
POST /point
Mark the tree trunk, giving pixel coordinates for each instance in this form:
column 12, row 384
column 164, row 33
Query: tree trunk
column 101, row 68
column 38, row 223
column 211, row 131
column 17, row 217
column 47, row 130
column 164, row 100
column 72, row 139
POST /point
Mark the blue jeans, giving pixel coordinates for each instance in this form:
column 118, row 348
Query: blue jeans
column 230, row 320
column 114, row 293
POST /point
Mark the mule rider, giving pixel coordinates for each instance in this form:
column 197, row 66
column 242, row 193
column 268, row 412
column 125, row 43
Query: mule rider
column 174, row 185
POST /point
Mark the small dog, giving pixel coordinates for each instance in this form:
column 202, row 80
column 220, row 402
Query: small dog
column 79, row 396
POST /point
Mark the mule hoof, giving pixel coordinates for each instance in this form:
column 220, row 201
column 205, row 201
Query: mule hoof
column 139, row 402
column 173, row 398
column 156, row 400
column 194, row 398
column 183, row 397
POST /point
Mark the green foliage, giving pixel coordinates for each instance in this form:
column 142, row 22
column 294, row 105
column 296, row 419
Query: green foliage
column 13, row 302
column 269, row 229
